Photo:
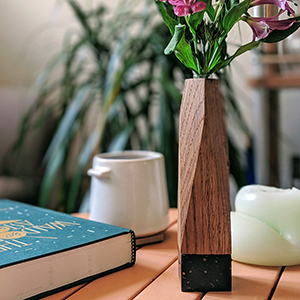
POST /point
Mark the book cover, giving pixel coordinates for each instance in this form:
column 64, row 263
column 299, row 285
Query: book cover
column 43, row 251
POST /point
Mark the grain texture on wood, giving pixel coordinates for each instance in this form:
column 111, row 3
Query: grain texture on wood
column 204, row 206
column 151, row 261
column 166, row 286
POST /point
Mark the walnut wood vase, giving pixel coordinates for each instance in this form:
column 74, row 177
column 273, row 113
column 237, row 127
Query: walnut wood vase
column 204, row 238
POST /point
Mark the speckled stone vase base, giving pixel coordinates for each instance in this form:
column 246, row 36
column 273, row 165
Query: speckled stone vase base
column 203, row 273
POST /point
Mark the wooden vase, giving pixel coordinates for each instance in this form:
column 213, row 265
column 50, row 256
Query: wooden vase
column 204, row 238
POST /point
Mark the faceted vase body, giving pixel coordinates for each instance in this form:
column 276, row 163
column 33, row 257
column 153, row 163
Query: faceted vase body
column 204, row 238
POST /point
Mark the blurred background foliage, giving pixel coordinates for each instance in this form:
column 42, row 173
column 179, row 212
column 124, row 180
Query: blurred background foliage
column 112, row 88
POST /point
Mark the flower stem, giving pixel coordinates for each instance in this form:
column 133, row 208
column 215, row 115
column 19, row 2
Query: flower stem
column 219, row 10
column 195, row 44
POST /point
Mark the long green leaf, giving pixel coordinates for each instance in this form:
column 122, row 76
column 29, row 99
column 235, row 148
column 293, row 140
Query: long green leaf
column 121, row 139
column 67, row 121
column 234, row 14
column 195, row 20
column 240, row 51
column 50, row 177
column 83, row 159
column 231, row 3
column 171, row 23
column 168, row 145
column 81, row 16
column 115, row 64
column 210, row 12
column 246, row 48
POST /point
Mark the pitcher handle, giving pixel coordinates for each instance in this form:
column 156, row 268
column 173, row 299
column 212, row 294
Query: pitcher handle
column 100, row 172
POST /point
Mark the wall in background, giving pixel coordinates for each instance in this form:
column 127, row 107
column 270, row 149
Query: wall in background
column 31, row 31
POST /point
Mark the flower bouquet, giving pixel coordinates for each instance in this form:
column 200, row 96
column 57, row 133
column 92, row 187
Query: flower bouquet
column 200, row 30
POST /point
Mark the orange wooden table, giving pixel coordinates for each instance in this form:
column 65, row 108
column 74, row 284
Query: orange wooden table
column 155, row 277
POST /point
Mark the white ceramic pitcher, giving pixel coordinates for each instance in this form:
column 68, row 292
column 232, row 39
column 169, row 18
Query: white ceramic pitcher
column 128, row 189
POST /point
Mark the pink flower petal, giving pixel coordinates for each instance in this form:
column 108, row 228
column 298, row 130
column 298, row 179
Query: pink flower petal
column 260, row 30
column 198, row 6
column 281, row 24
column 182, row 10
column 259, row 27
column 262, row 27
column 274, row 24
column 176, row 2
column 189, row 2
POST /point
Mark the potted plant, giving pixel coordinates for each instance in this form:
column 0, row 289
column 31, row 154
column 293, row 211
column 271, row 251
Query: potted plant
column 117, row 90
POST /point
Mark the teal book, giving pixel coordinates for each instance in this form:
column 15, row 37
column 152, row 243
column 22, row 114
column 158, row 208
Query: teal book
column 44, row 251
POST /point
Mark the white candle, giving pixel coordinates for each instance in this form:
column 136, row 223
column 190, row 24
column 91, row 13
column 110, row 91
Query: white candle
column 265, row 228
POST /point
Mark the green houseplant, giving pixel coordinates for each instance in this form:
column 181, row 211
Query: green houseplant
column 117, row 90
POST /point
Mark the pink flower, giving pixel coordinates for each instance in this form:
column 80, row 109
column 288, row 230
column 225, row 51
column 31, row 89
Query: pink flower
column 282, row 4
column 262, row 27
column 187, row 7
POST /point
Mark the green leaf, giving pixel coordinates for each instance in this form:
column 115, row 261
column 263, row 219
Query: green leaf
column 81, row 16
column 181, row 48
column 234, row 14
column 231, row 3
column 179, row 33
column 121, row 139
column 171, row 23
column 50, row 177
column 246, row 48
column 167, row 132
column 83, row 159
column 195, row 20
column 210, row 12
column 113, row 71
column 68, row 121
column 216, row 56
column 240, row 51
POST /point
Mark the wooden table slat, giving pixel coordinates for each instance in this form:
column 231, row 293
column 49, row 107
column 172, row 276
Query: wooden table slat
column 167, row 287
column 151, row 261
column 64, row 294
column 248, row 282
column 155, row 276
column 288, row 287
